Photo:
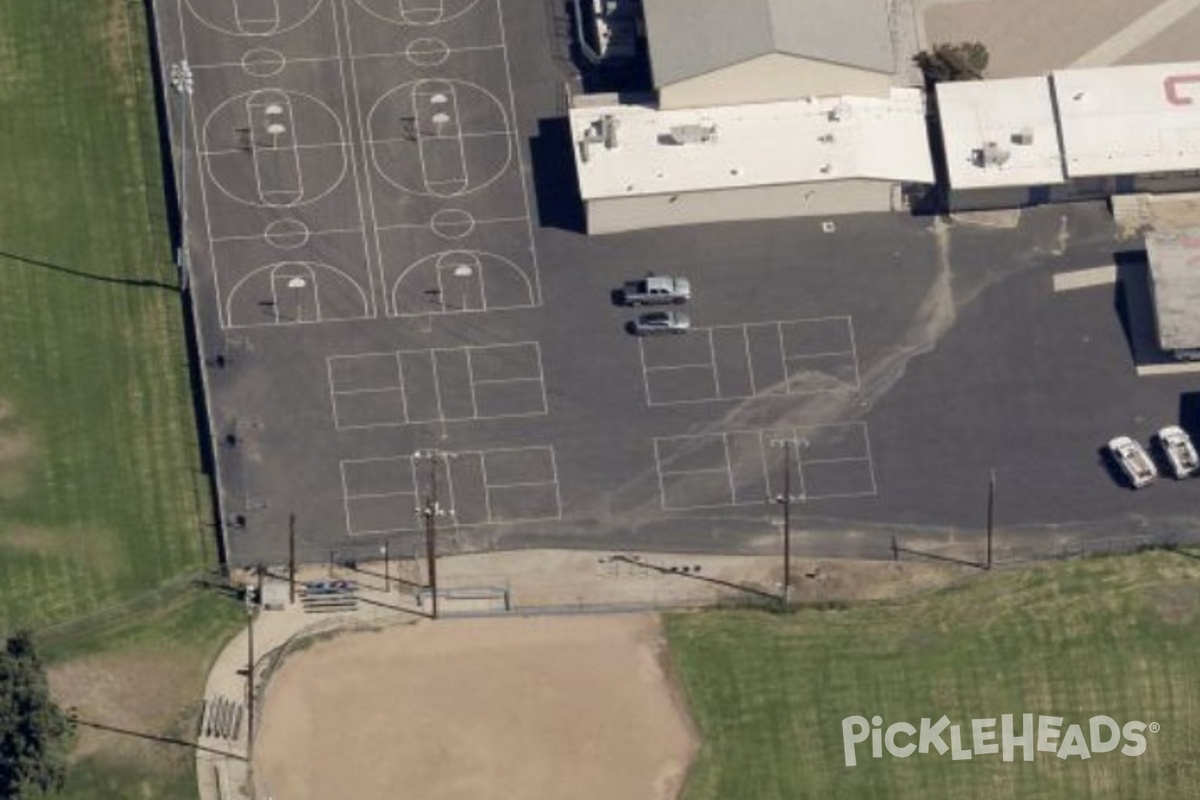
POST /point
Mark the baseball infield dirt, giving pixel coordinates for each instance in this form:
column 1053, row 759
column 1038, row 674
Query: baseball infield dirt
column 569, row 708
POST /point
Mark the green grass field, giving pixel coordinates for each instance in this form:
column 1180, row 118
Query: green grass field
column 99, row 486
column 143, row 669
column 1114, row 636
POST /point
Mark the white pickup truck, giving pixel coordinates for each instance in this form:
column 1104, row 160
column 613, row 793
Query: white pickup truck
column 1133, row 461
column 656, row 290
column 1180, row 452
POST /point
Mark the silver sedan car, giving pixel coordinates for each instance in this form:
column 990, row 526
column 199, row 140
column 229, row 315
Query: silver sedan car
column 660, row 322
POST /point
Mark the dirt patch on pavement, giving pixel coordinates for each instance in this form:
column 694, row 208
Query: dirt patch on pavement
column 553, row 708
column 135, row 690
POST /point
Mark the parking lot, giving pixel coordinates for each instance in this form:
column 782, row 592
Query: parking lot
column 383, row 263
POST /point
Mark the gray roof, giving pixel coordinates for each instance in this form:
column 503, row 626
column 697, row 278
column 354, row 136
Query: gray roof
column 695, row 37
column 1175, row 280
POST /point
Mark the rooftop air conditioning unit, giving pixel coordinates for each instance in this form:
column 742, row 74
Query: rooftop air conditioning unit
column 693, row 134
column 1023, row 137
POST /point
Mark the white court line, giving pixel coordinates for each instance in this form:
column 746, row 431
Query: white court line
column 254, row 148
column 854, row 357
column 729, row 468
column 337, row 424
column 483, row 285
column 490, row 381
column 425, row 225
column 201, row 175
column 404, row 140
column 557, row 486
column 1179, row 368
column 253, row 236
column 417, row 94
column 749, row 361
column 375, row 495
column 516, row 144
column 294, row 146
column 289, row 60
column 403, row 393
column 794, row 434
column 355, row 392
column 487, row 497
column 471, row 383
column 845, row 460
column 353, row 159
column 451, row 50
column 705, row 471
column 799, row 465
column 526, row 485
column 787, row 357
column 769, row 323
column 645, row 374
column 662, row 490
column 346, row 497
column 1085, row 278
column 787, row 378
column 870, row 460
column 272, row 267
column 712, row 362
column 545, row 401
column 437, row 384
column 678, row 366
column 363, row 132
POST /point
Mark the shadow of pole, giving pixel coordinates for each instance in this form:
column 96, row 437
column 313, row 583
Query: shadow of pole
column 152, row 737
column 141, row 283
column 741, row 587
column 935, row 557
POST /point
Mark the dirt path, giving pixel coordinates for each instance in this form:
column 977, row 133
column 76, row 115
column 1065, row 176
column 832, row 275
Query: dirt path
column 553, row 708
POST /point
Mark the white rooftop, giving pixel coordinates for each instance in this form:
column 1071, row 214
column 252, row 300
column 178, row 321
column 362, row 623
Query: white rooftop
column 1129, row 120
column 999, row 133
column 799, row 141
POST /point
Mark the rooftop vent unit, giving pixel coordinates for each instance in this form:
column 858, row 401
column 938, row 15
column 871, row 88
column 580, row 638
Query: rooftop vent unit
column 1023, row 137
column 839, row 112
column 608, row 131
column 693, row 134
column 990, row 155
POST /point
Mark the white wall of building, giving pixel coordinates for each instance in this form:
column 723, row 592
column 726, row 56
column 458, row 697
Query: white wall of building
column 770, row 78
column 613, row 215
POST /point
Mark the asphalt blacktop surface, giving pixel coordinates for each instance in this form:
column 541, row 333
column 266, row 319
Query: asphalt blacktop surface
column 386, row 260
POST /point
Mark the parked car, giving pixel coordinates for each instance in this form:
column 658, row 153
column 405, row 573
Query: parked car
column 656, row 290
column 1135, row 464
column 1179, row 451
column 660, row 322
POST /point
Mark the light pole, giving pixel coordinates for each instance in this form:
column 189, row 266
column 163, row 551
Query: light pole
column 182, row 82
column 788, row 446
column 431, row 511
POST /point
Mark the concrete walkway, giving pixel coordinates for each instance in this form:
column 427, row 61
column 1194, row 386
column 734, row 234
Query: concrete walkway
column 534, row 581
column 1147, row 27
column 222, row 764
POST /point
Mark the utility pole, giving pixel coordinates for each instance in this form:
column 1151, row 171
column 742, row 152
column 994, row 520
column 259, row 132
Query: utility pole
column 991, row 515
column 387, row 581
column 788, row 446
column 430, row 511
column 250, row 601
column 291, row 559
